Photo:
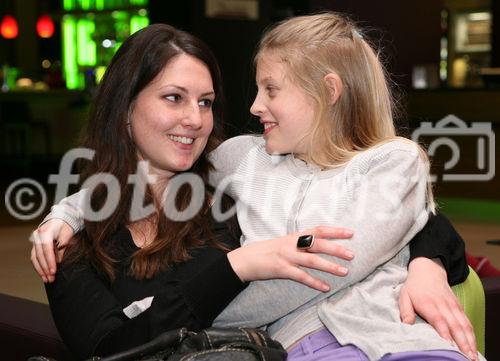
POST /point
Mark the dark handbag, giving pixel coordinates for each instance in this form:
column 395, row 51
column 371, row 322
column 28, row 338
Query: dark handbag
column 214, row 344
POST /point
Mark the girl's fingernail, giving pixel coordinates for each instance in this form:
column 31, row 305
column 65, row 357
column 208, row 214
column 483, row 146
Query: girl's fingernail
column 44, row 279
column 343, row 270
column 349, row 254
column 325, row 287
column 348, row 232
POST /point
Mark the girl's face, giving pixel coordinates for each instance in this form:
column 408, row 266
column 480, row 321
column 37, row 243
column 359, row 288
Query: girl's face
column 171, row 118
column 283, row 108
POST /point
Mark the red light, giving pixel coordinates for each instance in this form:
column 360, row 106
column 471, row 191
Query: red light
column 45, row 26
column 8, row 27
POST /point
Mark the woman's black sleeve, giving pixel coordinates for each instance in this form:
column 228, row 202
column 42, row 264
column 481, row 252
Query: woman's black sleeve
column 438, row 239
column 91, row 321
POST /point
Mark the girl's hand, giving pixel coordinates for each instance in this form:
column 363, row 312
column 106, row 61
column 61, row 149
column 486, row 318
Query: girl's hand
column 280, row 257
column 54, row 232
column 426, row 292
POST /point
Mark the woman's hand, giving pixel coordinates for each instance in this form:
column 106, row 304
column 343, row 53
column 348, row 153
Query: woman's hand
column 280, row 257
column 43, row 253
column 426, row 292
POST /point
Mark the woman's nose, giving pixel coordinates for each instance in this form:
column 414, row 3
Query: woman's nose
column 192, row 117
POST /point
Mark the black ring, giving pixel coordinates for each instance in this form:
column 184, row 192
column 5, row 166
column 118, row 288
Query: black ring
column 305, row 242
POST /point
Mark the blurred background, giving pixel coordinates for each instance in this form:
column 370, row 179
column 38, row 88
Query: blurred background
column 443, row 57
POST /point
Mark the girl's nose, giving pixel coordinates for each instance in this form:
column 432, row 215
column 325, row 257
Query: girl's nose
column 257, row 109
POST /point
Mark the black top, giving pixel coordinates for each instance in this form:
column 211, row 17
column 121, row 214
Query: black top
column 438, row 239
column 88, row 308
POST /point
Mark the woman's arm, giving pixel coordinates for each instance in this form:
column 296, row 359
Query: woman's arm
column 91, row 320
column 437, row 260
column 427, row 293
column 279, row 258
column 439, row 239
column 254, row 263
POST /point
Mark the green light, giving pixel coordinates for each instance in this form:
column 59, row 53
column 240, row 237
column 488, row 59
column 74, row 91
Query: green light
column 80, row 49
column 119, row 15
column 69, row 52
column 99, row 73
column 139, row 2
column 68, row 5
column 85, row 4
column 99, row 4
column 81, row 80
column 137, row 23
column 117, row 46
column 86, row 46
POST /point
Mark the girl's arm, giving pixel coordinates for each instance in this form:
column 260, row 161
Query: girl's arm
column 69, row 209
column 438, row 239
column 387, row 197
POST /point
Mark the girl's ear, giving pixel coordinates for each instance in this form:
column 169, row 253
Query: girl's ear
column 334, row 85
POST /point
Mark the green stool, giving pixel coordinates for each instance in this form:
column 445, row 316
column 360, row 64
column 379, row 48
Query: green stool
column 471, row 295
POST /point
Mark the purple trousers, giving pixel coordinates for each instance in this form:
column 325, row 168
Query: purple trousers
column 323, row 346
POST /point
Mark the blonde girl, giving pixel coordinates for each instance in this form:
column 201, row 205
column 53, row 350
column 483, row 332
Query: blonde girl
column 330, row 155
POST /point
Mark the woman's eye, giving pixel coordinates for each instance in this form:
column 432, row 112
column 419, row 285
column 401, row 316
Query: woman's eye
column 207, row 103
column 173, row 98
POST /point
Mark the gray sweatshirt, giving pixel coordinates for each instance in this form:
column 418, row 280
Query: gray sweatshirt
column 380, row 194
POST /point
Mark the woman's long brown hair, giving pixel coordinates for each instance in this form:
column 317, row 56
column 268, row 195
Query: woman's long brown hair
column 138, row 61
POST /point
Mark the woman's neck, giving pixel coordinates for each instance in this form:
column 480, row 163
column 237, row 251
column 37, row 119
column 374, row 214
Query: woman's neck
column 144, row 230
column 158, row 189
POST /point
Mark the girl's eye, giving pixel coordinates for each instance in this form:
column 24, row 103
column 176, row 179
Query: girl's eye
column 271, row 90
column 175, row 98
column 207, row 103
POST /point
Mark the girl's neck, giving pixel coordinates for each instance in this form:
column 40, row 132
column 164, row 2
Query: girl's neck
column 308, row 161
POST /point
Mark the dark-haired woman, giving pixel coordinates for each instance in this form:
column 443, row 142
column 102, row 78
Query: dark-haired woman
column 124, row 281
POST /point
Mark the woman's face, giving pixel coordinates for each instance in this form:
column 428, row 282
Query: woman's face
column 171, row 118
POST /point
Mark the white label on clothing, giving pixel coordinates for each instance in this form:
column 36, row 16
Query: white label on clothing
column 138, row 307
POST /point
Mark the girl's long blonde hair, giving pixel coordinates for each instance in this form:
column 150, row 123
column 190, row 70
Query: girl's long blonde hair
column 313, row 46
